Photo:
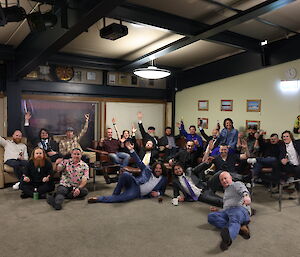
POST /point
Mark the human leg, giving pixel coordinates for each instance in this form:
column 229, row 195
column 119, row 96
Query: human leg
column 218, row 219
column 207, row 196
column 237, row 216
column 124, row 179
column 124, row 158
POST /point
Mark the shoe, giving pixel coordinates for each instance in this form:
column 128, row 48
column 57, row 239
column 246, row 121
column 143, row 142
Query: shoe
column 290, row 180
column 51, row 201
column 226, row 240
column 16, row 186
column 251, row 161
column 245, row 232
column 24, row 196
column 93, row 200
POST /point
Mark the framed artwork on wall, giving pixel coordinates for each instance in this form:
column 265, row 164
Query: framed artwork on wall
column 226, row 105
column 253, row 105
column 253, row 123
column 203, row 105
column 204, row 122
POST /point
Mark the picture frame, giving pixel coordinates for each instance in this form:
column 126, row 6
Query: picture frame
column 203, row 105
column 253, row 123
column 226, row 105
column 204, row 122
column 254, row 105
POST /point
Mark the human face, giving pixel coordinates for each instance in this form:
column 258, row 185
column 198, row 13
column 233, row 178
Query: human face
column 151, row 132
column 192, row 130
column 286, row 138
column 189, row 146
column 17, row 136
column 158, row 170
column 44, row 134
column 178, row 170
column 70, row 134
column 225, row 179
column 76, row 155
column 274, row 140
column 251, row 132
column 126, row 134
column 109, row 133
column 38, row 154
column 168, row 132
column 223, row 150
column 228, row 124
column 149, row 145
column 215, row 133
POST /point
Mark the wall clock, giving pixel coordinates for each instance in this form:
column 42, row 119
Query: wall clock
column 291, row 73
column 64, row 73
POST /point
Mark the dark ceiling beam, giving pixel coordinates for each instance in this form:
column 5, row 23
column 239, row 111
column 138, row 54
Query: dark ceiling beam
column 7, row 53
column 179, row 25
column 221, row 26
column 38, row 47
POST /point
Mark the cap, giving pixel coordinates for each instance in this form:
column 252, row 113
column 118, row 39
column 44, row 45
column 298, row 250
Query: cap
column 69, row 129
column 151, row 128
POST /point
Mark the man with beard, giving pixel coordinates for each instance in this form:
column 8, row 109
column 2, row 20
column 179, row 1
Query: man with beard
column 151, row 132
column 149, row 183
column 37, row 175
column 75, row 174
column 167, row 144
column 15, row 155
column 148, row 154
column 254, row 140
column 43, row 141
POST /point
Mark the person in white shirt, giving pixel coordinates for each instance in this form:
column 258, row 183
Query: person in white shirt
column 15, row 154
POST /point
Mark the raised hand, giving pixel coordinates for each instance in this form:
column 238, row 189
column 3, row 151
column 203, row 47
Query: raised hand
column 87, row 116
column 113, row 120
column 140, row 115
column 122, row 140
column 26, row 179
column 133, row 130
column 27, row 116
column 178, row 124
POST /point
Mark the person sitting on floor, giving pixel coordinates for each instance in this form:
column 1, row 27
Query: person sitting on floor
column 149, row 183
column 15, row 155
column 235, row 216
column 75, row 174
column 37, row 175
column 192, row 188
column 43, row 141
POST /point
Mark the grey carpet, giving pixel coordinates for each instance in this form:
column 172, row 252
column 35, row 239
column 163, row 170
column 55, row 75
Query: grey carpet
column 140, row 228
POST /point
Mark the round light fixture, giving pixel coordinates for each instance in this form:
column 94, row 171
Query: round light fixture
column 152, row 72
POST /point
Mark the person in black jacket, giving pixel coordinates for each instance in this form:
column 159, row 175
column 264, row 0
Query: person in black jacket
column 167, row 144
column 151, row 132
column 37, row 175
column 43, row 141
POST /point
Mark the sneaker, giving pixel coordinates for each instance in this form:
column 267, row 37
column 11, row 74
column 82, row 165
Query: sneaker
column 251, row 161
column 93, row 200
column 226, row 240
column 51, row 201
column 16, row 186
column 290, row 180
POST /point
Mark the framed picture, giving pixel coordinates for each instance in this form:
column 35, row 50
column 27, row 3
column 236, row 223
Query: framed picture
column 253, row 105
column 253, row 123
column 204, row 122
column 226, row 105
column 203, row 105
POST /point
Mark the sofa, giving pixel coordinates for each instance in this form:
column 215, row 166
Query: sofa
column 6, row 172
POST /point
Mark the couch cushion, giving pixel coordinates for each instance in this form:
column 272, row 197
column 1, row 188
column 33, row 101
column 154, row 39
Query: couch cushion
column 8, row 169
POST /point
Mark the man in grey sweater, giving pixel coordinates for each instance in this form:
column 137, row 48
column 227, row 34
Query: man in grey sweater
column 234, row 218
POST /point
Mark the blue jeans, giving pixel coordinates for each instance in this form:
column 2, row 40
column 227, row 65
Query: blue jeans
column 131, row 190
column 231, row 218
column 120, row 158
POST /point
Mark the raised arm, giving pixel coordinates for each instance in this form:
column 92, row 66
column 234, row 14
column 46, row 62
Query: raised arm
column 86, row 125
column 114, row 122
column 134, row 155
column 140, row 123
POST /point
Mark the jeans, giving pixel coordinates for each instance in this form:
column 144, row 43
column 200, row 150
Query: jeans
column 120, row 158
column 131, row 190
column 18, row 166
column 231, row 218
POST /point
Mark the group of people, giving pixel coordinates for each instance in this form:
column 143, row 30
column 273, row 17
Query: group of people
column 199, row 169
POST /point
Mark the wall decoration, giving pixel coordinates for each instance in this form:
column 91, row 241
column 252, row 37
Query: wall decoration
column 203, row 105
column 91, row 75
column 112, row 79
column 253, row 105
column 253, row 123
column 226, row 105
column 134, row 80
column 204, row 122
column 77, row 76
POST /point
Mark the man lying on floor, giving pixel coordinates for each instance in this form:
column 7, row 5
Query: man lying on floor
column 150, row 182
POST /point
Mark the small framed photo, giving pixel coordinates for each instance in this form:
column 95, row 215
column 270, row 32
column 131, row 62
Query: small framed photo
column 204, row 122
column 226, row 105
column 252, row 123
column 253, row 105
column 203, row 105
column 91, row 75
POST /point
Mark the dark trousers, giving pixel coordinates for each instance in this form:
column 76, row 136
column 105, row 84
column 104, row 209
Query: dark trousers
column 18, row 166
column 208, row 196
column 130, row 189
column 42, row 188
column 63, row 192
column 290, row 169
column 267, row 162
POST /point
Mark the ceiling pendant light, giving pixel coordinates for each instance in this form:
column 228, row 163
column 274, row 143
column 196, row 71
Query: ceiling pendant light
column 152, row 72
